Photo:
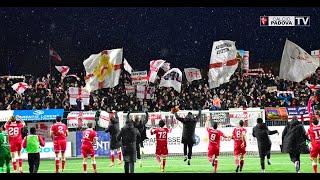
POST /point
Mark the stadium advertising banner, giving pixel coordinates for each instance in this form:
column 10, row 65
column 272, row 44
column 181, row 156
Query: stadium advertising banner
column 273, row 113
column 77, row 119
column 47, row 151
column 102, row 147
column 38, row 115
column 249, row 116
column 5, row 115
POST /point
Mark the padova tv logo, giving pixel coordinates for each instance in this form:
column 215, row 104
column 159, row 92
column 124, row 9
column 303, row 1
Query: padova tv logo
column 285, row 21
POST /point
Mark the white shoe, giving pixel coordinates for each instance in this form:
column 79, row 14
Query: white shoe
column 262, row 171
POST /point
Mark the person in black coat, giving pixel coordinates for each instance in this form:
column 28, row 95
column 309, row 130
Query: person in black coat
column 128, row 137
column 140, row 124
column 114, row 130
column 261, row 132
column 188, row 138
column 294, row 141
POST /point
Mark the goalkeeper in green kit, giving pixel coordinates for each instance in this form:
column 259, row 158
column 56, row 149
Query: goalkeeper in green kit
column 5, row 155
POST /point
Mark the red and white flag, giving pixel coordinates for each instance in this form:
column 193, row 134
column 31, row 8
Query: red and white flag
column 155, row 65
column 145, row 92
column 20, row 87
column 130, row 89
column 139, row 78
column 63, row 70
column 127, row 66
column 172, row 78
column 223, row 62
column 54, row 55
column 192, row 74
column 78, row 119
column 296, row 64
column 313, row 87
column 166, row 66
column 316, row 54
column 103, row 69
column 79, row 93
column 104, row 119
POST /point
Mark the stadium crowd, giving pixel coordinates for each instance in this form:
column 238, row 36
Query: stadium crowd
column 240, row 91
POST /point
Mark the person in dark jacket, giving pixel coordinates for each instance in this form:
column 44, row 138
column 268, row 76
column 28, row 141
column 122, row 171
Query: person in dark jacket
column 294, row 141
column 188, row 138
column 140, row 124
column 261, row 132
column 114, row 130
column 128, row 137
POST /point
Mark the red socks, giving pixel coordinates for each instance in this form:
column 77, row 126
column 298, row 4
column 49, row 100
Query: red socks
column 164, row 163
column 20, row 163
column 315, row 168
column 119, row 156
column 62, row 165
column 57, row 165
column 94, row 165
column 112, row 158
column 84, row 167
column 215, row 165
column 14, row 164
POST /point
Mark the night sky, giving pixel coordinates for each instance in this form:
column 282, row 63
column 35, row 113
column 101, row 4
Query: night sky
column 182, row 36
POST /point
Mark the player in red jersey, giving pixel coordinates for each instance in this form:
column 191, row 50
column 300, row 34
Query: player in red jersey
column 14, row 128
column 214, row 144
column 239, row 137
column 89, row 138
column 162, row 143
column 59, row 133
column 314, row 134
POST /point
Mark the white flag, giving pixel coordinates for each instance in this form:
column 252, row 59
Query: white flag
column 20, row 87
column 172, row 78
column 77, row 119
column 155, row 65
column 104, row 119
column 103, row 69
column 166, row 66
column 223, row 62
column 296, row 63
column 192, row 74
column 145, row 92
column 129, row 89
column 127, row 66
column 75, row 93
column 63, row 70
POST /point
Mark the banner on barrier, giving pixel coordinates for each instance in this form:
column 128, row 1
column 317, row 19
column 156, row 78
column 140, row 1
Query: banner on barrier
column 301, row 113
column 47, row 151
column 102, row 147
column 38, row 115
column 274, row 113
column 5, row 115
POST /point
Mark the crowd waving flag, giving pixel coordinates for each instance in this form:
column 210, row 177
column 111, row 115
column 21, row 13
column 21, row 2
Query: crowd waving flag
column 172, row 78
column 145, row 92
column 223, row 62
column 54, row 55
column 192, row 74
column 20, row 87
column 296, row 63
column 63, row 70
column 103, row 69
column 79, row 93
column 127, row 66
column 155, row 65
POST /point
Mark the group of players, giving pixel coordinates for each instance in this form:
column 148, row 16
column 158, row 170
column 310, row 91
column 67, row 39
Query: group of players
column 11, row 144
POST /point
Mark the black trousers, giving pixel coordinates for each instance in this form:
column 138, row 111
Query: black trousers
column 185, row 150
column 34, row 162
column 138, row 149
column 295, row 157
column 129, row 167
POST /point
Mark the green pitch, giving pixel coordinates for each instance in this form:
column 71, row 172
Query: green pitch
column 175, row 164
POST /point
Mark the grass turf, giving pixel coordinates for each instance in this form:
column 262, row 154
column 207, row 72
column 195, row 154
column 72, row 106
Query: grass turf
column 199, row 164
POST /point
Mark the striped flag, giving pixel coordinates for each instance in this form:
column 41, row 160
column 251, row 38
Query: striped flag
column 300, row 112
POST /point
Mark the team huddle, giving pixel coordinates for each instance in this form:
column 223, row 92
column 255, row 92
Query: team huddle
column 11, row 143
